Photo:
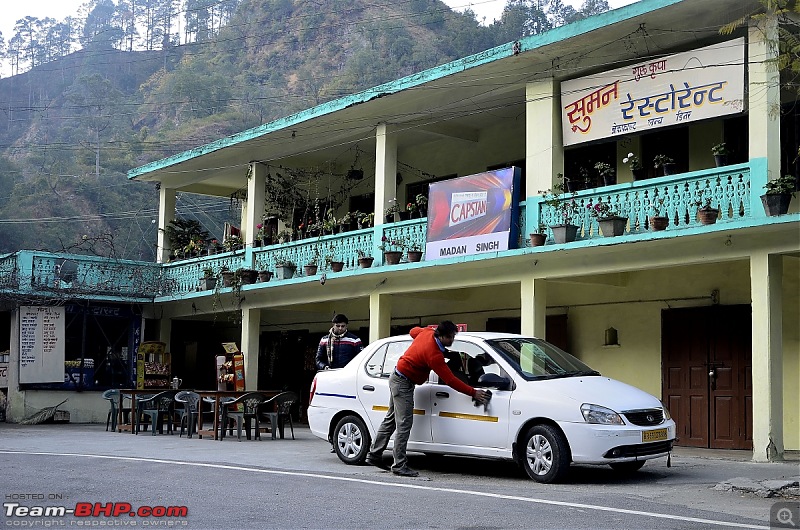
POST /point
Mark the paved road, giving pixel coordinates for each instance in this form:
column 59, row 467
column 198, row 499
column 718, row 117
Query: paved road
column 300, row 484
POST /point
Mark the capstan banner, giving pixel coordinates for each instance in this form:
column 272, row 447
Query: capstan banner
column 687, row 87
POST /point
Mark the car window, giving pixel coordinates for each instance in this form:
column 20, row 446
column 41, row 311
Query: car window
column 537, row 359
column 383, row 361
column 469, row 361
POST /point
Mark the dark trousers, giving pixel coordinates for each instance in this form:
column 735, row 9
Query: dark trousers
column 400, row 417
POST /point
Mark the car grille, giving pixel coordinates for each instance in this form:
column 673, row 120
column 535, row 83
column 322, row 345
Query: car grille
column 624, row 451
column 645, row 418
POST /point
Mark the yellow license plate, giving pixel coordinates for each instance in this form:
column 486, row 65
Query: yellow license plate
column 654, row 436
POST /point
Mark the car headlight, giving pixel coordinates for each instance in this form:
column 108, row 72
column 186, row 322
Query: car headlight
column 667, row 415
column 602, row 415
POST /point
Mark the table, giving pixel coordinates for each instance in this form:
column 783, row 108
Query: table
column 132, row 393
column 216, row 395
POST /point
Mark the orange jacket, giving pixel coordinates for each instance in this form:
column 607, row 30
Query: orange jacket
column 423, row 356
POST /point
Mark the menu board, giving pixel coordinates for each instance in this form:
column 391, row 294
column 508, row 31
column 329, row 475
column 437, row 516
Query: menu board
column 41, row 344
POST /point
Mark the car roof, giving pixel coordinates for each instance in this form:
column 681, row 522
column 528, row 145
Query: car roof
column 480, row 335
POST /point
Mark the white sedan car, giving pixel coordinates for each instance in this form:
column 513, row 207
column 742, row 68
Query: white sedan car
column 548, row 409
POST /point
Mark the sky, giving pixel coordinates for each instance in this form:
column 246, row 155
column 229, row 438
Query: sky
column 14, row 10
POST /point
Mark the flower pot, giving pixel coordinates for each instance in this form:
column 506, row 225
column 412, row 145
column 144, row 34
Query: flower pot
column 264, row 276
column 310, row 270
column 257, row 243
column 227, row 278
column 609, row 180
column 612, row 226
column 284, row 272
column 337, row 266
column 537, row 240
column 208, row 283
column 670, row 168
column 658, row 223
column 212, row 251
column 404, row 216
column 392, row 257
column 389, row 218
column 707, row 216
column 248, row 276
column 639, row 174
column 776, row 203
column 366, row 262
column 721, row 160
column 564, row 233
column 414, row 255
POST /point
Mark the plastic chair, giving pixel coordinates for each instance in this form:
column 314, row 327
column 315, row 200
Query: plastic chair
column 112, row 395
column 283, row 405
column 248, row 411
column 191, row 409
column 156, row 408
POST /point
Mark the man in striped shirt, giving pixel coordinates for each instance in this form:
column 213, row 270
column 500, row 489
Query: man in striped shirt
column 339, row 346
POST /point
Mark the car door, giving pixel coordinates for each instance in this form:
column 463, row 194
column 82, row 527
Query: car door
column 455, row 420
column 373, row 390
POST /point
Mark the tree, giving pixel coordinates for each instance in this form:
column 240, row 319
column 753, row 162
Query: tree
column 102, row 26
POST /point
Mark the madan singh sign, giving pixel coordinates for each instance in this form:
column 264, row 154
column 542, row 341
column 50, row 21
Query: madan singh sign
column 687, row 87
column 473, row 214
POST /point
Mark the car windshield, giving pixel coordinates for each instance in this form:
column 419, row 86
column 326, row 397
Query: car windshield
column 537, row 359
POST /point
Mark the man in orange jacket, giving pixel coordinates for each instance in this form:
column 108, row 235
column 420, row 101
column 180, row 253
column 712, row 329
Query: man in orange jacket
column 426, row 353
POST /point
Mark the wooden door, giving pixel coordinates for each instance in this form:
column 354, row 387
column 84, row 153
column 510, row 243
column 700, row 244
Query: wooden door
column 706, row 379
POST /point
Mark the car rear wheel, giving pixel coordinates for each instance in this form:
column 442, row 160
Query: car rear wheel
column 627, row 467
column 544, row 454
column 351, row 440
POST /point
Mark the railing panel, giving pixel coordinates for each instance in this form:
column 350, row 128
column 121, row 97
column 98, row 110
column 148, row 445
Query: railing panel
column 337, row 247
column 184, row 276
column 8, row 272
column 410, row 234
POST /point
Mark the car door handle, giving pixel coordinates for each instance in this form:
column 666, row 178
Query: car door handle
column 368, row 388
column 442, row 394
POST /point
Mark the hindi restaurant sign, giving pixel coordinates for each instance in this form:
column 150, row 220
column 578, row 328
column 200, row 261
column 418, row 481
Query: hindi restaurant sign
column 692, row 86
column 473, row 214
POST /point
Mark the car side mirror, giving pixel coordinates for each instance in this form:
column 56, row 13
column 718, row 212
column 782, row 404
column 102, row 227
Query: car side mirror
column 494, row 381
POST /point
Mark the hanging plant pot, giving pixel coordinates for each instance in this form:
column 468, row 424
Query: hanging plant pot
column 659, row 223
column 708, row 216
column 264, row 276
column 564, row 233
column 337, row 266
column 537, row 240
column 414, row 255
column 392, row 257
column 366, row 262
column 776, row 203
column 310, row 269
column 612, row 226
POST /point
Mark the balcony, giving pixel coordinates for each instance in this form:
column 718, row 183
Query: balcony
column 48, row 275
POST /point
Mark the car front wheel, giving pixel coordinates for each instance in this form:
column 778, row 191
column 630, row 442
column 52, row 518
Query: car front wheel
column 351, row 440
column 544, row 454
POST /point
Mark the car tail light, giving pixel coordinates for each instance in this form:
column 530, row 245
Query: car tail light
column 313, row 389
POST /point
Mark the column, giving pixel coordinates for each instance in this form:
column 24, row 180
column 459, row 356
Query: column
column 165, row 332
column 763, row 102
column 251, row 328
column 380, row 316
column 766, row 272
column 544, row 144
column 15, row 410
column 385, row 170
column 166, row 214
column 253, row 213
column 533, row 307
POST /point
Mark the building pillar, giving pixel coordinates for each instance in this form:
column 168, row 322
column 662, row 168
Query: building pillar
column 251, row 329
column 533, row 307
column 763, row 104
column 766, row 275
column 380, row 316
column 385, row 170
column 166, row 214
column 544, row 143
column 15, row 409
column 165, row 332
column 253, row 212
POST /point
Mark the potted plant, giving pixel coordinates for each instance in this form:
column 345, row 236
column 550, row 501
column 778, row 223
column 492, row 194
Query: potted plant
column 333, row 264
column 705, row 213
column 422, row 204
column 414, row 251
column 720, row 152
column 284, row 268
column 564, row 208
column 666, row 164
column 540, row 236
column 392, row 250
column 227, row 276
column 611, row 223
column 213, row 247
column 264, row 275
column 366, row 220
column 658, row 221
column 209, row 281
column 284, row 236
column 635, row 165
column 262, row 237
column 391, row 210
column 606, row 173
column 364, row 261
column 411, row 208
column 779, row 193
column 247, row 276
column 232, row 243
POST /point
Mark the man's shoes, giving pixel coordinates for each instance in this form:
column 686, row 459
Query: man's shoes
column 405, row 471
column 377, row 462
